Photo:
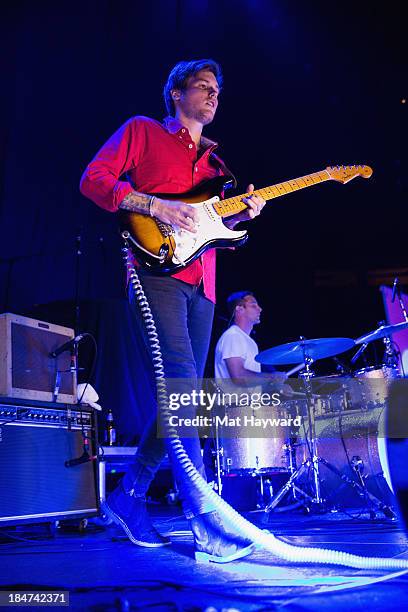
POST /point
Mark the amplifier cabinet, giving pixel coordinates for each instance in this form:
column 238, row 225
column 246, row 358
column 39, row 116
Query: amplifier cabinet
column 36, row 439
column 26, row 370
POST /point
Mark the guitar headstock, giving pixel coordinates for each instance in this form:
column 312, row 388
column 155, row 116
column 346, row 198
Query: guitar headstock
column 344, row 174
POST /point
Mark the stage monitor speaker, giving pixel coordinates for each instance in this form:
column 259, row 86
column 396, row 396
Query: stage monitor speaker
column 36, row 441
column 26, row 370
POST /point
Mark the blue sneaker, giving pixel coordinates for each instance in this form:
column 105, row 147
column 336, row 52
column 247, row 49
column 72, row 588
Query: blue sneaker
column 130, row 513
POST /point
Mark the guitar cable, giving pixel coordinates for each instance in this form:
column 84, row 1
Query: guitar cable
column 263, row 539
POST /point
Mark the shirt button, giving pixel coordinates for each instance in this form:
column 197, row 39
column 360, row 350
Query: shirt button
column 190, row 146
column 183, row 131
column 196, row 169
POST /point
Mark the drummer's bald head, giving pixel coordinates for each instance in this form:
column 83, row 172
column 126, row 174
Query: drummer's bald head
column 236, row 299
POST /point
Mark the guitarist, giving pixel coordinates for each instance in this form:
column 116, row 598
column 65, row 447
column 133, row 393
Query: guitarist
column 145, row 157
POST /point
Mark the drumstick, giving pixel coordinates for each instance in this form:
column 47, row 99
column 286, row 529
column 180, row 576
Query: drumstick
column 295, row 369
column 303, row 394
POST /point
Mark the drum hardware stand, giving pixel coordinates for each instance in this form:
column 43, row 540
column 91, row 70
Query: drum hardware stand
column 316, row 501
column 359, row 352
column 289, row 449
column 396, row 290
column 390, row 358
column 360, row 487
column 307, row 375
column 358, row 466
column 218, row 453
column 261, row 494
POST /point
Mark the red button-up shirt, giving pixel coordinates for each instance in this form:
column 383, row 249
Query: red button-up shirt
column 150, row 157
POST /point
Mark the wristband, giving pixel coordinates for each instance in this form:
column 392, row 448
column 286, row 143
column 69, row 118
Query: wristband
column 151, row 200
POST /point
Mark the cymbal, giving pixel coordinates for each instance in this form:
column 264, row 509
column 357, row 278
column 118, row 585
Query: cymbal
column 295, row 352
column 382, row 332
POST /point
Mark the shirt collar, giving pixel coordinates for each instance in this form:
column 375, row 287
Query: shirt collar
column 173, row 126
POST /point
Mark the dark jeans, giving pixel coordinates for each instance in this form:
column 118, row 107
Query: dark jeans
column 183, row 318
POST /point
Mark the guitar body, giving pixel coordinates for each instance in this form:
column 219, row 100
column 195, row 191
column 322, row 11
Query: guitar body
column 165, row 249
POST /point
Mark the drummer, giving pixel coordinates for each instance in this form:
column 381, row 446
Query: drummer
column 236, row 350
column 235, row 359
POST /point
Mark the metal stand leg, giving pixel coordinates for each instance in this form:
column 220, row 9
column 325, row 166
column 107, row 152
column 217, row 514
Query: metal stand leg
column 316, row 500
column 361, row 488
column 290, row 484
column 218, row 454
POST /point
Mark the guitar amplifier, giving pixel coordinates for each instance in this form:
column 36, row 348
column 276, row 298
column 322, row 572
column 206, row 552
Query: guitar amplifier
column 37, row 439
column 26, row 370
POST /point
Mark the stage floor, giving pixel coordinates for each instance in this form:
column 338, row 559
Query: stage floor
column 102, row 570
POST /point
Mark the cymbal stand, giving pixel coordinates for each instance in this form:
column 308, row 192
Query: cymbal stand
column 315, row 499
column 391, row 358
column 307, row 375
column 400, row 300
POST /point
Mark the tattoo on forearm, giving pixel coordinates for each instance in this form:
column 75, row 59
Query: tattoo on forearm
column 136, row 202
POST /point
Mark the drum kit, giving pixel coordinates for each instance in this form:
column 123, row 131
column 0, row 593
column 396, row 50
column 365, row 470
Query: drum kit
column 337, row 458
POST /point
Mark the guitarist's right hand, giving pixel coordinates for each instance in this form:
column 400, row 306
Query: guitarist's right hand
column 174, row 212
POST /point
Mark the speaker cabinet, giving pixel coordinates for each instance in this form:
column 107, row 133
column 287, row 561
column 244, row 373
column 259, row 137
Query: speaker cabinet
column 26, row 370
column 36, row 441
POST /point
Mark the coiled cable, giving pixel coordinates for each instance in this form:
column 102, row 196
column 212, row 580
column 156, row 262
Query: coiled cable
column 263, row 539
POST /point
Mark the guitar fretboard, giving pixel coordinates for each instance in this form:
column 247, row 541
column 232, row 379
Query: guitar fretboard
column 232, row 206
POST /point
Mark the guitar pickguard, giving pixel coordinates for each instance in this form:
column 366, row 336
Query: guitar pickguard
column 210, row 229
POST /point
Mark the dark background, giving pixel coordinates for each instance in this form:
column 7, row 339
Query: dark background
column 306, row 85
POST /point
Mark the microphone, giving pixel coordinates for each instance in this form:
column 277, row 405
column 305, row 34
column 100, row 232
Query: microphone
column 67, row 346
column 84, row 458
column 394, row 290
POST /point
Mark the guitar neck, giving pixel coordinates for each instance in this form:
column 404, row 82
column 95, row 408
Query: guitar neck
column 232, row 206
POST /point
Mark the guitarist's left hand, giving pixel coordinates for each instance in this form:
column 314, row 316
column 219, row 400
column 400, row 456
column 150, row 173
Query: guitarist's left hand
column 254, row 203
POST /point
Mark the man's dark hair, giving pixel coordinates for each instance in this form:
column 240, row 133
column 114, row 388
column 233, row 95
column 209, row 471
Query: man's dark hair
column 236, row 299
column 180, row 74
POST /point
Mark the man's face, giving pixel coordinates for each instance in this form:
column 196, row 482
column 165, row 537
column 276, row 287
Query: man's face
column 251, row 309
column 199, row 100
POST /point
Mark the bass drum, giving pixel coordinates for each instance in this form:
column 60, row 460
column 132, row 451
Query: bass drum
column 354, row 438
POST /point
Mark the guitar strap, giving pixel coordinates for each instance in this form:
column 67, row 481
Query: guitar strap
column 218, row 163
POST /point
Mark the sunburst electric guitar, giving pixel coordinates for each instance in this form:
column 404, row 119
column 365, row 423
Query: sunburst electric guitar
column 168, row 249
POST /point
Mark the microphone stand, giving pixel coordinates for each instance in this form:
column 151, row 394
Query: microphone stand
column 74, row 354
column 77, row 276
column 390, row 355
column 400, row 300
